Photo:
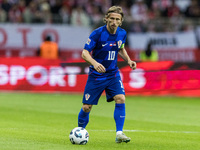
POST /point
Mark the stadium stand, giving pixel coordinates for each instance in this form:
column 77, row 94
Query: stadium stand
column 140, row 15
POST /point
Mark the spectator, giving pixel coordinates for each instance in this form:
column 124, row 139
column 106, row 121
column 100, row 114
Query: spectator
column 96, row 14
column 149, row 54
column 48, row 49
column 79, row 17
column 171, row 10
column 45, row 12
column 65, row 15
column 29, row 14
column 141, row 15
column 105, row 5
column 154, row 12
column 177, row 21
column 161, row 5
column 193, row 10
column 126, row 7
column 6, row 5
column 55, row 10
column 14, row 14
column 22, row 5
column 3, row 15
column 139, row 11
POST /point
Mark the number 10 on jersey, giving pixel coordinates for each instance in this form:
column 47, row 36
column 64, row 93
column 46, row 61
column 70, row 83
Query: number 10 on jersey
column 111, row 55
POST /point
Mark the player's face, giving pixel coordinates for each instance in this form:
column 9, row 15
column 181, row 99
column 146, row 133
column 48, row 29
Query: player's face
column 113, row 21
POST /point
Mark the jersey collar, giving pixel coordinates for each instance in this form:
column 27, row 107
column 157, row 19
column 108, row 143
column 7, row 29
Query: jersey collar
column 109, row 32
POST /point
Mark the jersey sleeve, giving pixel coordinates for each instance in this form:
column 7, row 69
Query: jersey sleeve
column 91, row 42
column 124, row 40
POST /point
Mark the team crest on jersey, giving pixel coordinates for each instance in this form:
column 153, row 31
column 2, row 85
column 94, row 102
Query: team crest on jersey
column 119, row 43
column 87, row 96
column 88, row 41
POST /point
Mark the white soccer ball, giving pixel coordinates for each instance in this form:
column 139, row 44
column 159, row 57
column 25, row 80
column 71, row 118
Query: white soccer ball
column 79, row 136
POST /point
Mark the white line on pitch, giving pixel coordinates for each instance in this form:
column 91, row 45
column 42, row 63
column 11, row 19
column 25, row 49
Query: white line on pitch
column 189, row 132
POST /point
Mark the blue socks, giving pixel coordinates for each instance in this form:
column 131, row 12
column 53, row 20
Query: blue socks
column 83, row 118
column 119, row 116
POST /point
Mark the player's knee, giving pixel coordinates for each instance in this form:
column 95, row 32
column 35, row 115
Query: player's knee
column 87, row 108
column 120, row 99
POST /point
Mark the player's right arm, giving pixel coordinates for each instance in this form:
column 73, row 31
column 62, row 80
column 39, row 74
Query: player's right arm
column 88, row 58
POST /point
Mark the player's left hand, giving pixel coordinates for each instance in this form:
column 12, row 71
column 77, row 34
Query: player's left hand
column 132, row 64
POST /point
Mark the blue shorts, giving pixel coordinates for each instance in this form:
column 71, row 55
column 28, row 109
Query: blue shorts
column 94, row 88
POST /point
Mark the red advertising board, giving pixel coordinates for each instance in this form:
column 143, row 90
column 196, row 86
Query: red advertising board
column 150, row 78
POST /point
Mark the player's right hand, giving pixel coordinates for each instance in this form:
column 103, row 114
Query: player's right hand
column 99, row 68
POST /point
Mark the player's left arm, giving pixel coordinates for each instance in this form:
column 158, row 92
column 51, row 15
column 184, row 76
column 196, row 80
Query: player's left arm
column 124, row 55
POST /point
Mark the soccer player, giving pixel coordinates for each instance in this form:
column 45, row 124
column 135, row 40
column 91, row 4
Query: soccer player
column 106, row 43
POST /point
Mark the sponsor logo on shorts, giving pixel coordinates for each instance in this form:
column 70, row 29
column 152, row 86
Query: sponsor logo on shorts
column 87, row 96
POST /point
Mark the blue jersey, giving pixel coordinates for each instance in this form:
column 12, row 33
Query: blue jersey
column 104, row 47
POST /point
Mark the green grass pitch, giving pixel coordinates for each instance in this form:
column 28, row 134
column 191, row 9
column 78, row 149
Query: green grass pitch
column 31, row 121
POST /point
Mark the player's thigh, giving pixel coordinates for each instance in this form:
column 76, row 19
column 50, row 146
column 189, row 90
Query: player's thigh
column 115, row 88
column 93, row 91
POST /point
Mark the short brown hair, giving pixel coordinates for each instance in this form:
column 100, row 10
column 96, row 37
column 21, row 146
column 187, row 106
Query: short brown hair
column 114, row 9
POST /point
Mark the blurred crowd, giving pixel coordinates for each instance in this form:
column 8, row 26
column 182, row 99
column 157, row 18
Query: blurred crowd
column 140, row 15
